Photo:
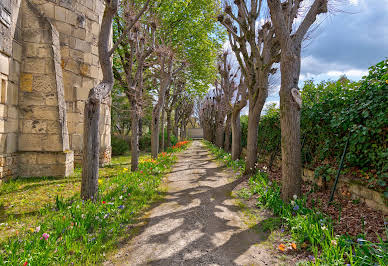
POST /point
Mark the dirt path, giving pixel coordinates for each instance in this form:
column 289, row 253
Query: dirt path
column 198, row 223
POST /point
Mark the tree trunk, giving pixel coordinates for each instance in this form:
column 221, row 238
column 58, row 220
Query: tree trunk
column 155, row 135
column 161, row 148
column 140, row 128
column 290, row 128
column 227, row 133
column 236, row 135
column 169, row 128
column 91, row 151
column 175, row 128
column 220, row 135
column 134, row 140
column 91, row 137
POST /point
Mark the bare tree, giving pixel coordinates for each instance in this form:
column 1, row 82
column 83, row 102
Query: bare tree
column 283, row 15
column 207, row 118
column 228, row 75
column 171, row 100
column 91, row 145
column 136, row 45
column 256, row 50
column 239, row 103
column 166, row 73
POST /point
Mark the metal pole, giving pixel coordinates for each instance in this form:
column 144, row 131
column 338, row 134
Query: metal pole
column 339, row 169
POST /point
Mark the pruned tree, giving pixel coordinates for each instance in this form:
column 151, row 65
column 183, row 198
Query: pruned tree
column 220, row 106
column 170, row 105
column 284, row 16
column 228, row 74
column 239, row 103
column 184, row 110
column 135, row 46
column 167, row 70
column 207, row 118
column 256, row 50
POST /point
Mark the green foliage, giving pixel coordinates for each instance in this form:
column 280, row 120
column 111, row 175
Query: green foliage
column 145, row 142
column 244, row 130
column 269, row 130
column 119, row 145
column 225, row 157
column 330, row 111
column 333, row 109
column 79, row 232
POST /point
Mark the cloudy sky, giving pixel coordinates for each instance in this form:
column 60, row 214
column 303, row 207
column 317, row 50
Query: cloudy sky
column 346, row 42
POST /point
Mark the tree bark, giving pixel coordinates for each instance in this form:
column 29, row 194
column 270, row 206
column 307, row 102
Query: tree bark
column 169, row 128
column 161, row 148
column 220, row 135
column 91, row 151
column 253, row 124
column 134, row 140
column 290, row 128
column 236, row 135
column 227, row 133
column 91, row 138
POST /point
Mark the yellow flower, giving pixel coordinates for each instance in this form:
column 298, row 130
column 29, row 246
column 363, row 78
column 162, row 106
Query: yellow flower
column 125, row 169
column 99, row 181
column 293, row 245
column 32, row 230
column 386, row 81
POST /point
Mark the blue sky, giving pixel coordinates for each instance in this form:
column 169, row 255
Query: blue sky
column 346, row 42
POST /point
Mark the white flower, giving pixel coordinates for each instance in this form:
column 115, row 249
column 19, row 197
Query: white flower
column 37, row 229
column 324, row 228
column 295, row 197
column 121, row 197
column 292, row 202
column 83, row 216
column 265, row 167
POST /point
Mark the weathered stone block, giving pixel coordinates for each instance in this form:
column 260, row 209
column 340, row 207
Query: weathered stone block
column 3, row 142
column 26, row 82
column 60, row 13
column 35, row 65
column 53, row 127
column 12, row 112
column 16, row 51
column 72, row 65
column 76, row 142
column 30, row 142
column 34, row 126
column 46, row 158
column 48, row 9
column 52, row 143
column 11, row 125
column 3, row 111
column 41, row 112
column 14, row 71
column 4, row 64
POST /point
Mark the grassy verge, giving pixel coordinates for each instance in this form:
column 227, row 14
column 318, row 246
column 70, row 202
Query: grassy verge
column 73, row 231
column 310, row 229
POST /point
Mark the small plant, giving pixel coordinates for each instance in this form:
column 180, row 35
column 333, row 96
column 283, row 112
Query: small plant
column 244, row 193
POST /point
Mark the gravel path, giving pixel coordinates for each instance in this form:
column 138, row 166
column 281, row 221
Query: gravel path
column 198, row 223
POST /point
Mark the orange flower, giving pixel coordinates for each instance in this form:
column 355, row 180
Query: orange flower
column 282, row 247
column 293, row 245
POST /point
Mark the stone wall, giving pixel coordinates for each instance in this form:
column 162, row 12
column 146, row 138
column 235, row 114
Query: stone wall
column 10, row 65
column 48, row 64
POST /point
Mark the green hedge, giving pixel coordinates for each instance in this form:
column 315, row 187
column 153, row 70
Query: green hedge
column 331, row 112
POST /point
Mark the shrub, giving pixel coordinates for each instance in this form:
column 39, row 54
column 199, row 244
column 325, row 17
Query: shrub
column 331, row 113
column 119, row 145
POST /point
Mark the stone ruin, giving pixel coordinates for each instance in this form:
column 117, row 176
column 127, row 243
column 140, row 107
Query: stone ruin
column 48, row 64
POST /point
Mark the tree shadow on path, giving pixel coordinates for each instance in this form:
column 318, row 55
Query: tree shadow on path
column 198, row 223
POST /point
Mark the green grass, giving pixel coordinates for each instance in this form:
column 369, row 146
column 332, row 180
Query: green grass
column 310, row 228
column 80, row 232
